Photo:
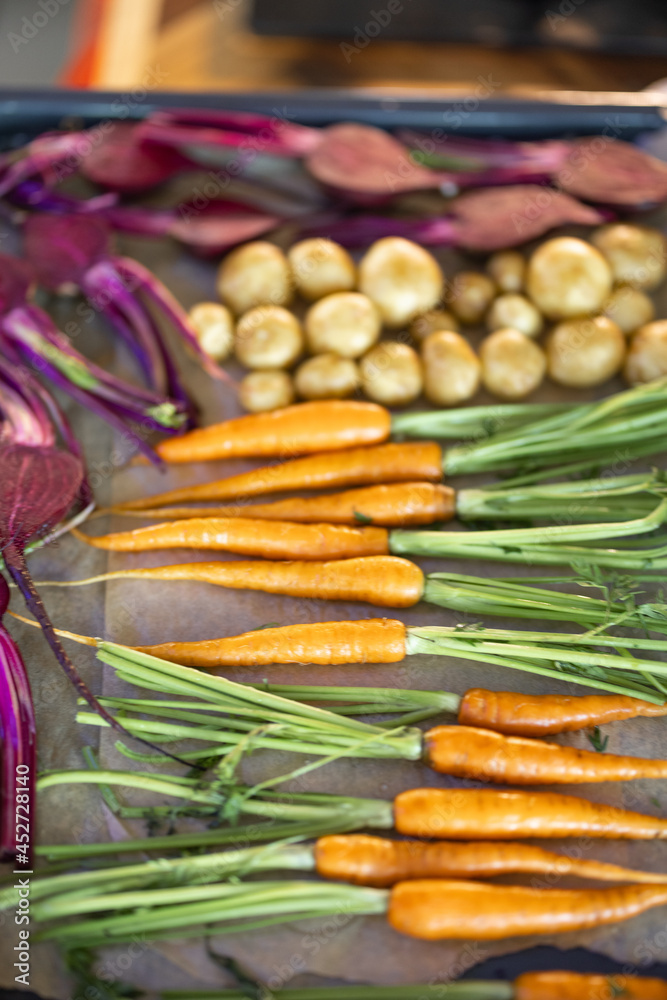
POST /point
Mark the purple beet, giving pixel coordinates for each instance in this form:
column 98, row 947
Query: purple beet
column 611, row 172
column 18, row 734
column 122, row 162
column 208, row 231
column 248, row 132
column 28, row 336
column 486, row 219
column 40, row 482
column 75, row 249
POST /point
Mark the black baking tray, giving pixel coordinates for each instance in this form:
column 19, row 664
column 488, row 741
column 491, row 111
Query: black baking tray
column 26, row 113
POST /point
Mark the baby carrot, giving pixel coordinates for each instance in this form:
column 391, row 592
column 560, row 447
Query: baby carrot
column 246, row 536
column 370, row 640
column 389, row 505
column 385, row 581
column 385, row 463
column 488, row 756
column 546, row 715
column 490, row 814
column 324, row 425
column 366, row 860
column 575, row 986
column 437, row 909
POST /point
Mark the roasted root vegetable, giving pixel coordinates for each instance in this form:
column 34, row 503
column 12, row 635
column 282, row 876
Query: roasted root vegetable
column 431, row 321
column 347, row 323
column 213, row 325
column 469, row 295
column 401, row 278
column 636, row 255
column 326, row 376
column 585, row 352
column 512, row 365
column 391, row 373
column 452, row 370
column 321, row 267
column 508, row 270
column 268, row 337
column 507, row 436
column 647, row 354
column 568, row 277
column 514, row 311
column 629, row 308
column 261, row 391
column 255, row 274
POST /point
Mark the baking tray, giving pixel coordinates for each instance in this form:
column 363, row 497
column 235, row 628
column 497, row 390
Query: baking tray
column 134, row 614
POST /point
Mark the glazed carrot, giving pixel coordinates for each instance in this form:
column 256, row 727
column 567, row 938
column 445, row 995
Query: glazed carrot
column 371, row 640
column 546, row 715
column 385, row 463
column 390, row 505
column 575, row 986
column 518, row 760
column 324, row 425
column 490, row 814
column 385, row 581
column 377, row 861
column 246, row 536
column 436, row 909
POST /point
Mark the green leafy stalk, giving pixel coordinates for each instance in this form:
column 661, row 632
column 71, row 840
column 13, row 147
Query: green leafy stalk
column 472, row 421
column 602, row 499
column 515, row 599
column 199, row 910
column 63, row 895
column 631, row 423
column 560, row 655
column 471, row 989
column 549, row 545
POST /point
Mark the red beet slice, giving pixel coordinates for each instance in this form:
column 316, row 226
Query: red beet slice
column 495, row 218
column 120, row 161
column 611, row 172
column 367, row 161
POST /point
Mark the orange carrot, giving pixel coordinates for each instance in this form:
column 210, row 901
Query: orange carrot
column 245, row 536
column 386, row 463
column 371, row 640
column 435, row 909
column 377, row 861
column 390, row 505
column 546, row 715
column 487, row 756
column 490, row 814
column 324, row 425
column 575, row 986
column 386, row 581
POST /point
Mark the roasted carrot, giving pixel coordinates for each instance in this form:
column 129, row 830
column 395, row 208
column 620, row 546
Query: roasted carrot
column 546, row 715
column 436, row 909
column 385, row 581
column 389, row 505
column 246, row 536
column 490, row 814
column 484, row 755
column 324, row 425
column 576, row 986
column 385, row 463
column 370, row 640
column 366, row 860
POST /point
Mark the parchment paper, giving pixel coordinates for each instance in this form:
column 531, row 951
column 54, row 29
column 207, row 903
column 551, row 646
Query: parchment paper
column 357, row 949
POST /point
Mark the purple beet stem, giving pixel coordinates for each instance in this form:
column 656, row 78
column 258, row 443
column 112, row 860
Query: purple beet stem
column 19, row 742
